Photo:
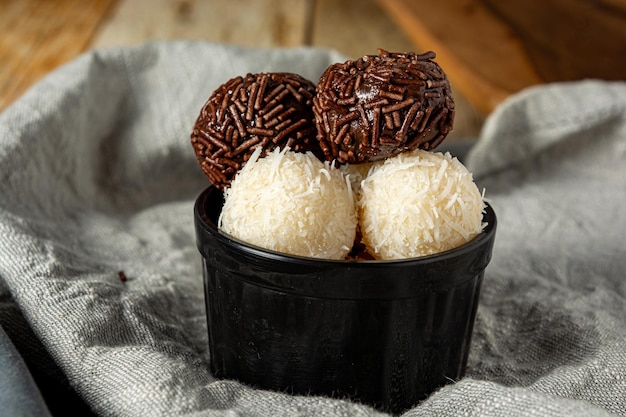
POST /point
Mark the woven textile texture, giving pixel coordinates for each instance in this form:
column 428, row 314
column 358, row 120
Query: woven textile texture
column 98, row 177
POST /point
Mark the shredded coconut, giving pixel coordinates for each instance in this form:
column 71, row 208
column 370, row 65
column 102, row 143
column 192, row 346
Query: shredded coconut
column 418, row 203
column 293, row 203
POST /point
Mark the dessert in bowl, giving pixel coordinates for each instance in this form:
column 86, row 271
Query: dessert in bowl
column 351, row 269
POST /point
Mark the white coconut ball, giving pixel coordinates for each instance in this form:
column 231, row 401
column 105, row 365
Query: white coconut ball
column 292, row 203
column 418, row 203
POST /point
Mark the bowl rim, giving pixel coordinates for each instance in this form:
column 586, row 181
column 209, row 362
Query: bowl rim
column 209, row 227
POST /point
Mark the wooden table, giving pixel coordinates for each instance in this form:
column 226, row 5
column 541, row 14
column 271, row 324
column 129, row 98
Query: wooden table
column 489, row 48
column 37, row 36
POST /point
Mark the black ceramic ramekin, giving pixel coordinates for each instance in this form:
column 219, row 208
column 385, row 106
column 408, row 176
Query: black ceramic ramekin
column 385, row 333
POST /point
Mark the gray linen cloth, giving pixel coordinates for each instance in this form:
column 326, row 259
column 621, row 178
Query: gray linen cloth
column 98, row 177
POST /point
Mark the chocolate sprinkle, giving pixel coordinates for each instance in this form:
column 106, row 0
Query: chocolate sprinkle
column 391, row 103
column 268, row 110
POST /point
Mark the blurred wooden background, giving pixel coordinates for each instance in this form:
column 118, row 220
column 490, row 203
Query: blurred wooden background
column 37, row 36
column 489, row 48
column 494, row 48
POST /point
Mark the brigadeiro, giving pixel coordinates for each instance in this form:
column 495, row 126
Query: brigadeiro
column 266, row 110
column 378, row 106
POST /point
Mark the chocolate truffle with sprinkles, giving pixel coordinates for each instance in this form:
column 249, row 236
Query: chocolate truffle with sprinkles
column 267, row 110
column 378, row 106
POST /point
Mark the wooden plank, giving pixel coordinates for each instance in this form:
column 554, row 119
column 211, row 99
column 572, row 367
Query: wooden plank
column 36, row 36
column 356, row 29
column 258, row 23
column 492, row 49
column 569, row 39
